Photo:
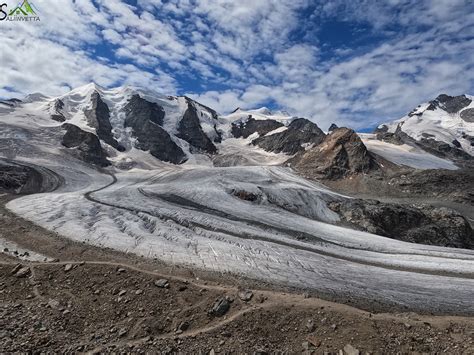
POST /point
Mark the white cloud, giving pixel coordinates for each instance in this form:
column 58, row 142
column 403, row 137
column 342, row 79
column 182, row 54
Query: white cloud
column 247, row 48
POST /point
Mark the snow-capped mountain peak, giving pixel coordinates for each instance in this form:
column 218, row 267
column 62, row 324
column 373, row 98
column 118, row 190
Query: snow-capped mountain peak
column 445, row 124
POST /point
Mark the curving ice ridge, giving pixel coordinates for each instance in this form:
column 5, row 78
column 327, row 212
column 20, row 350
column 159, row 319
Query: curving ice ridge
column 259, row 221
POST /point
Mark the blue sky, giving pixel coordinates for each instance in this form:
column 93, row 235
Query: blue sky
column 356, row 63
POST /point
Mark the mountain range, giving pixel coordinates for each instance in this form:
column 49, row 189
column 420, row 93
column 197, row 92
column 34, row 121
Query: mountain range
column 256, row 193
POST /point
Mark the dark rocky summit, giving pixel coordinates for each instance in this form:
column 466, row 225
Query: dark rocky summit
column 411, row 223
column 99, row 118
column 145, row 118
column 332, row 127
column 87, row 145
column 251, row 125
column 300, row 131
column 342, row 153
column 190, row 130
column 450, row 104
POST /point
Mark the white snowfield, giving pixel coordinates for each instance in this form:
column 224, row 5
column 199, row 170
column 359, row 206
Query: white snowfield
column 405, row 154
column 439, row 124
column 256, row 220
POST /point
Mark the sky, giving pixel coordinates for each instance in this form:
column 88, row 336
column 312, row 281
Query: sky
column 355, row 62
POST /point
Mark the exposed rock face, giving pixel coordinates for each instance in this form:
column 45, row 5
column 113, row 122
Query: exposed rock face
column 99, row 118
column 469, row 138
column 450, row 104
column 342, row 153
column 467, row 115
column 427, row 143
column 58, row 115
column 87, row 145
column 332, row 127
column 411, row 223
column 443, row 149
column 11, row 102
column 454, row 185
column 251, row 126
column 13, row 177
column 301, row 131
column 398, row 137
column 145, row 118
column 191, row 131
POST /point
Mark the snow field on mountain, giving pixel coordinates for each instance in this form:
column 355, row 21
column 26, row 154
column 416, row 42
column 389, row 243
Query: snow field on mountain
column 406, row 155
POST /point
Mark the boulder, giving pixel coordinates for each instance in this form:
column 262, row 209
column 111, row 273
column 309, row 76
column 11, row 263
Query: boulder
column 162, row 283
column 245, row 295
column 220, row 307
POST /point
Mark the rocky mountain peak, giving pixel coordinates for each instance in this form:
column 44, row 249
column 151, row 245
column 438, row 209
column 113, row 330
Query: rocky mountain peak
column 450, row 104
column 342, row 153
column 300, row 133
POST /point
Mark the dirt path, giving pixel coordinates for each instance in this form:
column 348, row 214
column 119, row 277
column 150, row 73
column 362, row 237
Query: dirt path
column 106, row 306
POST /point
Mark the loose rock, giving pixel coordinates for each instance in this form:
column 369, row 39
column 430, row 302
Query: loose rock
column 220, row 307
column 245, row 295
column 23, row 272
column 350, row 350
column 162, row 283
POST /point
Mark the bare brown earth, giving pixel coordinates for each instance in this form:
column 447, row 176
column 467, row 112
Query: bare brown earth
column 107, row 301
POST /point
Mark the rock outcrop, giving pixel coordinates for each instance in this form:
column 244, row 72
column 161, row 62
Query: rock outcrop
column 427, row 143
column 146, row 118
column 190, row 130
column 86, row 145
column 467, row 115
column 342, row 153
column 14, row 177
column 455, row 185
column 411, row 223
column 244, row 129
column 98, row 117
column 332, row 127
column 450, row 104
column 300, row 132
column 57, row 114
